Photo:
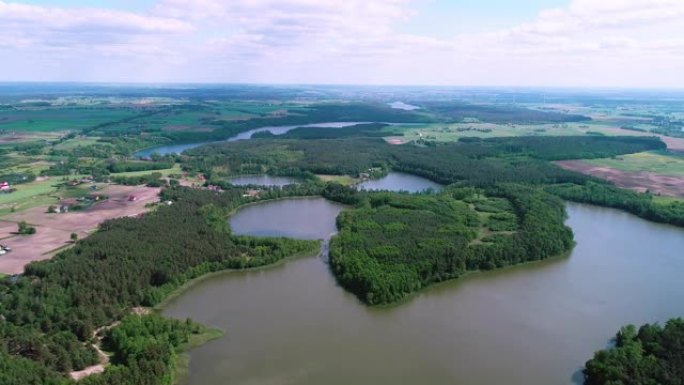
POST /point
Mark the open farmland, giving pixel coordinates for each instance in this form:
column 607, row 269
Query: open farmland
column 54, row 230
column 33, row 120
column 641, row 181
column 658, row 163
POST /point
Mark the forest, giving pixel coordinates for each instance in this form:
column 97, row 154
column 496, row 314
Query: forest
column 458, row 111
column 482, row 163
column 393, row 244
column 51, row 310
column 653, row 354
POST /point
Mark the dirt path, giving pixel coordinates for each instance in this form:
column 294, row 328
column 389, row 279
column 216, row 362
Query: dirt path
column 104, row 358
column 638, row 181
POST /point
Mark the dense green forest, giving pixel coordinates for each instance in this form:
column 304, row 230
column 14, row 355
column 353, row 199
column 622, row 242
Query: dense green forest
column 144, row 348
column 458, row 111
column 651, row 355
column 50, row 311
column 393, row 244
column 484, row 162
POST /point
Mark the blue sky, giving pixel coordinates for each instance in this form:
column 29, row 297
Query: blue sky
column 586, row 43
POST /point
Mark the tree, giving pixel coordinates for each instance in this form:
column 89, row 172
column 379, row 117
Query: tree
column 74, row 237
column 26, row 229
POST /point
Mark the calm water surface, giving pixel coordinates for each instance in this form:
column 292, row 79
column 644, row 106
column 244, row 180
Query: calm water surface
column 399, row 181
column 262, row 180
column 534, row 324
column 302, row 218
column 403, row 106
column 275, row 130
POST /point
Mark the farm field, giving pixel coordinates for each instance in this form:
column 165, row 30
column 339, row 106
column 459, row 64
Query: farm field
column 640, row 181
column 34, row 120
column 658, row 163
column 53, row 230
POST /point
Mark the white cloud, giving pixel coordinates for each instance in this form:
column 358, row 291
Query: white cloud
column 588, row 42
column 38, row 27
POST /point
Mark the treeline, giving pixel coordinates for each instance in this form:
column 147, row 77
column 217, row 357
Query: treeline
column 50, row 311
column 640, row 204
column 368, row 130
column 130, row 166
column 574, row 147
column 150, row 180
column 317, row 113
column 393, row 244
column 18, row 178
column 458, row 111
column 652, row 355
column 483, row 163
column 144, row 350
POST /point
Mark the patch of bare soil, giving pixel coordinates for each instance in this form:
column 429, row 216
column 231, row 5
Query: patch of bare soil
column 639, row 181
column 53, row 231
column 394, row 141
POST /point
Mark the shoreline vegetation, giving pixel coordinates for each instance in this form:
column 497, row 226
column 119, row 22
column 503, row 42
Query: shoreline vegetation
column 652, row 354
column 501, row 216
column 194, row 281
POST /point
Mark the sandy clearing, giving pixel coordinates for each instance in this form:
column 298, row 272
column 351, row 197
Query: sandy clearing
column 638, row 181
column 394, row 141
column 54, row 230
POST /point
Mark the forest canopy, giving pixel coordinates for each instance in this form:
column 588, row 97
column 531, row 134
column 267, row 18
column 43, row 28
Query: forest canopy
column 653, row 354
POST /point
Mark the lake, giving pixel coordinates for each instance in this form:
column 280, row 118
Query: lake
column 275, row 130
column 302, row 218
column 403, row 106
column 262, row 180
column 399, row 181
column 534, row 324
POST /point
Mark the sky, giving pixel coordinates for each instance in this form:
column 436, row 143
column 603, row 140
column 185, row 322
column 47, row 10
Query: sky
column 534, row 43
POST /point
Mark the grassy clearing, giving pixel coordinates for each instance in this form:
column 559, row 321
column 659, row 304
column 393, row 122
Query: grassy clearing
column 165, row 172
column 656, row 162
column 28, row 190
column 73, row 143
column 341, row 179
column 33, row 167
column 663, row 200
column 452, row 132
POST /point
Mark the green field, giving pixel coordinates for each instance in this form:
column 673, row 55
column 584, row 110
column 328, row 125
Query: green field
column 454, row 131
column 165, row 172
column 59, row 119
column 659, row 163
column 28, row 195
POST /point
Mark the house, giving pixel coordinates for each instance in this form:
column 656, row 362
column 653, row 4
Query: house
column 251, row 194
